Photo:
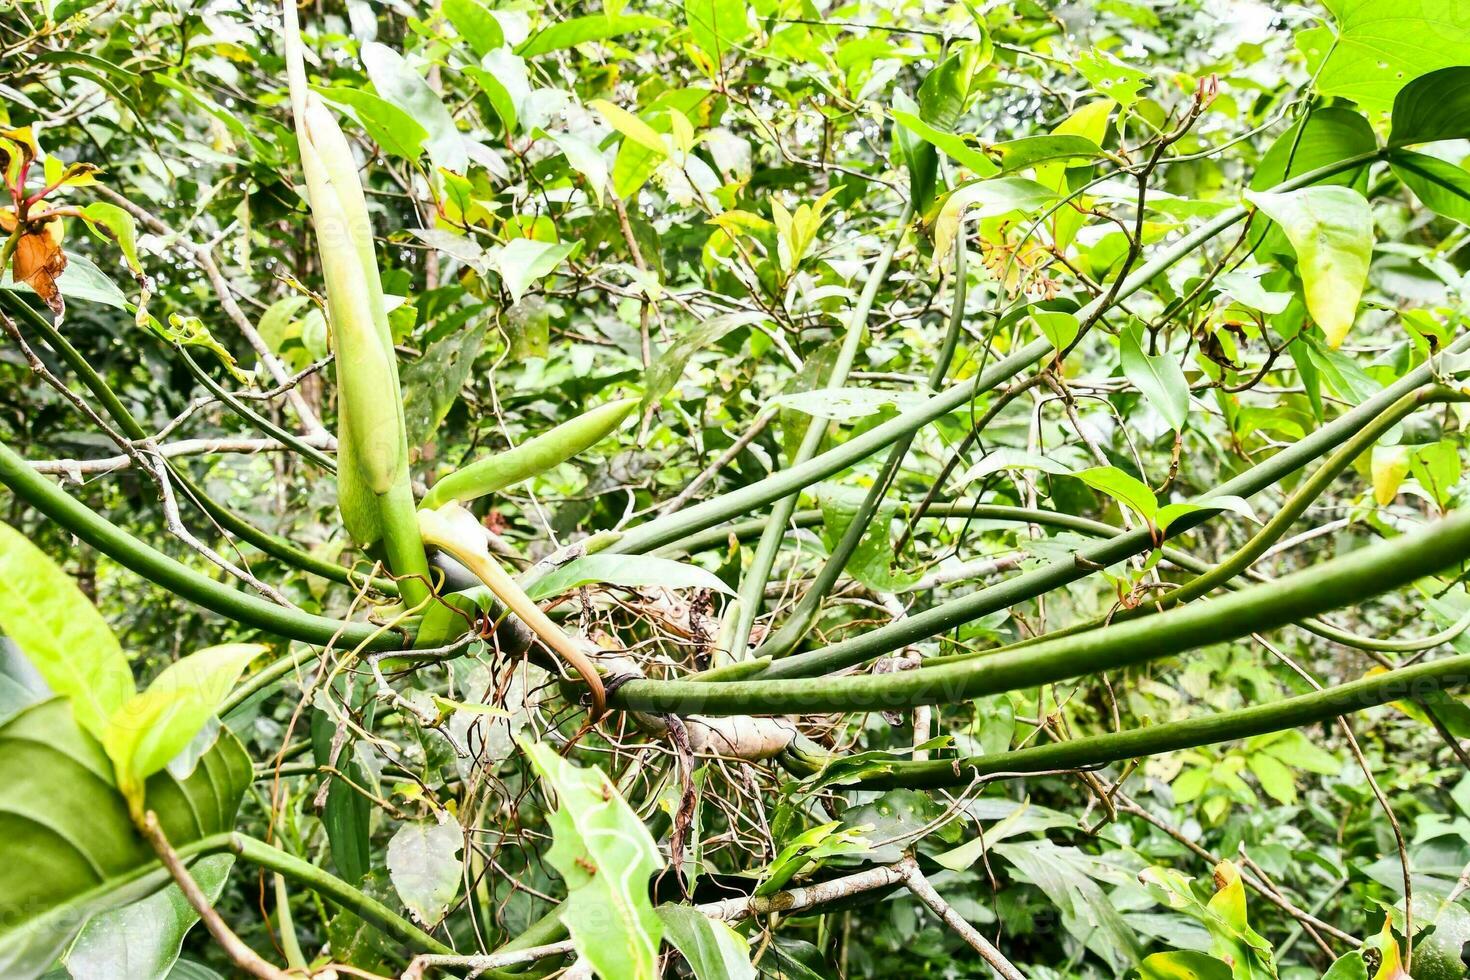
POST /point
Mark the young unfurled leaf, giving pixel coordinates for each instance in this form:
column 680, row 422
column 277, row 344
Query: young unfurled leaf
column 61, row 633
column 114, row 223
column 1059, row 328
column 152, row 727
column 605, row 856
column 1331, row 230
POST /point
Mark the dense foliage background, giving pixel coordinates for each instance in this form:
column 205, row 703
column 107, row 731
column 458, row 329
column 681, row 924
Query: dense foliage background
column 684, row 205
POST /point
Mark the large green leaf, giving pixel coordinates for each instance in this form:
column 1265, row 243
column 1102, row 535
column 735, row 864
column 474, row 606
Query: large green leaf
column 71, row 848
column 606, row 857
column 712, row 949
column 1432, row 107
column 1158, row 376
column 60, row 632
column 1331, row 229
column 475, row 23
column 1381, row 45
column 141, row 941
column 392, row 128
column 398, row 83
column 1440, row 186
column 424, row 865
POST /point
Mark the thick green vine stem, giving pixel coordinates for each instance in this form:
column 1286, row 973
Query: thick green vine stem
column 672, row 527
column 1294, row 506
column 1341, row 582
column 784, row 640
column 325, row 884
column 182, row 581
column 1402, row 684
column 936, row 620
column 753, row 584
column 278, row 548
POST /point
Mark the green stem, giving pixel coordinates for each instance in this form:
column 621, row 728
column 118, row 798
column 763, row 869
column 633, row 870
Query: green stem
column 270, row 544
column 753, row 584
column 1003, row 595
column 323, row 883
column 251, row 416
column 1405, row 683
column 184, row 582
column 1293, row 507
column 785, row 639
column 672, row 527
column 1341, row 582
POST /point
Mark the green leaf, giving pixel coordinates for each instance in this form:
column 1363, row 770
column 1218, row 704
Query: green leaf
column 579, row 30
column 712, row 949
column 1183, row 965
column 61, row 633
column 1326, row 136
column 669, row 366
column 506, row 83
column 606, row 857
column 398, row 83
column 1032, row 150
column 1058, row 328
column 424, row 866
column 630, row 126
column 808, row 850
column 947, row 89
column 1331, row 229
column 1275, row 778
column 585, row 159
column 116, row 224
column 1118, row 81
column 1158, row 376
column 152, row 727
column 521, row 262
column 1441, row 186
column 475, row 23
column 952, row 145
column 1123, row 488
column 627, row 571
column 1348, row 967
column 717, row 26
column 872, row 562
column 1381, row 45
column 433, row 381
column 1432, row 108
column 142, row 940
column 72, row 850
column 393, row 129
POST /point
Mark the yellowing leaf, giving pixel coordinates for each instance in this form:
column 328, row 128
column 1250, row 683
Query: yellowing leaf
column 1331, row 230
column 151, row 728
column 1390, row 465
column 60, row 632
column 631, row 126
